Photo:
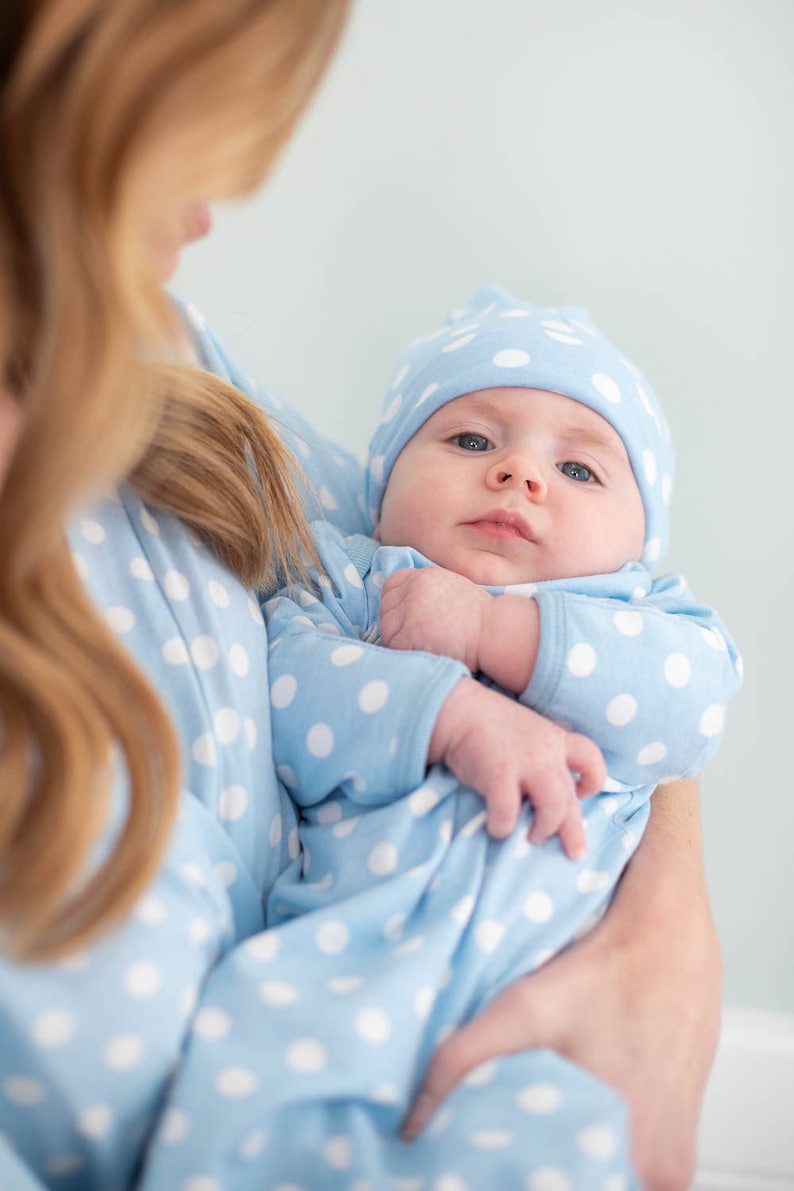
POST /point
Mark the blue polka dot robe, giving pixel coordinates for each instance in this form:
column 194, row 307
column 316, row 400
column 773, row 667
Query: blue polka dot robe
column 228, row 1039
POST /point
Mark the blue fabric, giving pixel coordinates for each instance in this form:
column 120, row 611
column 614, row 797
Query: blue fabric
column 496, row 341
column 155, row 1059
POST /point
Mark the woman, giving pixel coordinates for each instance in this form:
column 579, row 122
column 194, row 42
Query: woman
column 137, row 785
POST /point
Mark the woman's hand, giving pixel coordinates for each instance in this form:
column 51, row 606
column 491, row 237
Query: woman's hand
column 636, row 1002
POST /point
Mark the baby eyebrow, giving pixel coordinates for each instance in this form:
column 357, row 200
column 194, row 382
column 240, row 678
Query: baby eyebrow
column 576, row 436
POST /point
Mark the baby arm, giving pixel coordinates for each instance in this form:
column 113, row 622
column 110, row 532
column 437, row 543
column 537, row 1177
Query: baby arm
column 507, row 753
column 442, row 612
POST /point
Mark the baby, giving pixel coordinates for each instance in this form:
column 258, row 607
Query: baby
column 519, row 483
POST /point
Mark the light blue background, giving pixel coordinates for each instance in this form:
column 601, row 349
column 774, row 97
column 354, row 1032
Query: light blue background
column 632, row 156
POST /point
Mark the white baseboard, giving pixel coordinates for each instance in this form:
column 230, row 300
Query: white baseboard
column 746, row 1140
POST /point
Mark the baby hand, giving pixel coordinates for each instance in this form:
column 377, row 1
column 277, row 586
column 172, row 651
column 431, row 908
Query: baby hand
column 434, row 610
column 507, row 752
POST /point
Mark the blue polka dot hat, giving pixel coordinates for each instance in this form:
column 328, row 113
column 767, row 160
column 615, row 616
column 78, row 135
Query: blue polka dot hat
column 497, row 341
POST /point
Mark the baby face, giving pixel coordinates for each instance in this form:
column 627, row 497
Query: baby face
column 515, row 485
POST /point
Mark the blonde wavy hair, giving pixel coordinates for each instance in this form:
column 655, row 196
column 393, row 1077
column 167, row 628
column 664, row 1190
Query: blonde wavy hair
column 111, row 112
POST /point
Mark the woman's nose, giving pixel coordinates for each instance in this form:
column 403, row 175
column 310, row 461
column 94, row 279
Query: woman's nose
column 519, row 473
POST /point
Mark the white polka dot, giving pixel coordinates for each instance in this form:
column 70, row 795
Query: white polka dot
column 175, row 1126
column 712, row 719
column 331, row 812
column 233, row 803
column 652, row 754
column 320, row 740
column 373, row 1026
column 343, row 655
column 193, row 875
column 424, row 999
column 95, row 1121
column 175, row 652
column 150, row 910
column 24, row 1091
column 538, row 906
column 463, row 909
column 255, row 611
column 253, row 1144
column 581, row 660
column 201, row 1182
column 177, row 586
column 227, row 724
column 667, row 489
column 511, row 357
column 332, row 937
column 373, row 696
column 383, row 859
column 352, row 576
column 120, row 619
column 282, row 692
column 376, row 467
column 236, row 1082
column 539, row 1098
column 449, row 1182
column 92, row 531
column 307, row 1056
column 338, row 1153
column 547, row 1179
column 481, row 1075
column 293, row 844
column 677, row 669
column 326, row 499
column 649, row 463
column 423, row 800
column 341, row 985
column 123, row 1052
column 629, row 623
column 264, row 946
column 385, row 1093
column 488, row 935
column 204, row 652
column 148, row 522
column 491, row 1139
column 143, row 979
column 621, row 710
column 276, row 829
column 198, row 931
column 714, row 639
column 394, row 408
column 203, row 750
column 218, row 594
column 561, row 337
column 238, row 660
column 212, row 1024
column 428, row 392
column 140, row 569
column 592, row 881
column 651, row 550
column 227, row 872
column 597, row 1141
column 606, row 386
column 53, row 1027
column 345, row 828
column 278, row 993
column 456, row 344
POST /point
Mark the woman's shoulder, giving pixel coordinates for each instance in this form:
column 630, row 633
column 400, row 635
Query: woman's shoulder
column 333, row 480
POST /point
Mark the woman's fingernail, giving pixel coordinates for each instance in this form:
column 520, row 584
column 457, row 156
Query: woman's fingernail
column 417, row 1118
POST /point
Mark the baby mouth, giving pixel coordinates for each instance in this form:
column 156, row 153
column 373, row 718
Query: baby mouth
column 504, row 525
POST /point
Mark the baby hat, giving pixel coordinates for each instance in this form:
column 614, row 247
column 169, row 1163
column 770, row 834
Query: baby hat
column 497, row 341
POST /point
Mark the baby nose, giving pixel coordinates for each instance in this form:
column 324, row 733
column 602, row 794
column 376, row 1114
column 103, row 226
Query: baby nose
column 522, row 474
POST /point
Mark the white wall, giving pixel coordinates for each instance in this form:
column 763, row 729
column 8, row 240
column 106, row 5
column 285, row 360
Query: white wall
column 633, row 156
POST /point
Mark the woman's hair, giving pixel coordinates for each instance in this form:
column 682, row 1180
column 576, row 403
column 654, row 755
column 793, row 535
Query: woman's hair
column 113, row 112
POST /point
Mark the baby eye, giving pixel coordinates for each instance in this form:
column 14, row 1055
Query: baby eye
column 577, row 471
column 472, row 442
